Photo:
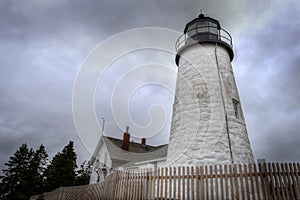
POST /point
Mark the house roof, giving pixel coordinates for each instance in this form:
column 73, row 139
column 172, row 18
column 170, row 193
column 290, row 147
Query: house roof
column 137, row 152
column 135, row 147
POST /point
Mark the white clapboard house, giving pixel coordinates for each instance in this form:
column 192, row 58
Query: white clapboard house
column 112, row 154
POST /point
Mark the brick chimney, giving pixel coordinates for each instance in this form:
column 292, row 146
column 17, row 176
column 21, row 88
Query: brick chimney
column 126, row 139
column 144, row 141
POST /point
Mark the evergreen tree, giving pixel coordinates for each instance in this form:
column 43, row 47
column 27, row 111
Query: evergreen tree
column 22, row 173
column 61, row 171
column 37, row 169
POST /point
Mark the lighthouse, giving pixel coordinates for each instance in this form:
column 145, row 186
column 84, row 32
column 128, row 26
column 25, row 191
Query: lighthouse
column 208, row 125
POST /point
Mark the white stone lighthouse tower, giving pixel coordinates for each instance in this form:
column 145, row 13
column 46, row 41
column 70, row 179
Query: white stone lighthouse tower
column 208, row 125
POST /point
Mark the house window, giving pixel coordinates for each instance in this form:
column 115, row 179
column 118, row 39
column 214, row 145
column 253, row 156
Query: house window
column 104, row 171
column 236, row 108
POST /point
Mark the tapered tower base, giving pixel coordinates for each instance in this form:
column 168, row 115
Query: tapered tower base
column 208, row 125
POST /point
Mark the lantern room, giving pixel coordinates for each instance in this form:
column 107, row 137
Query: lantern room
column 204, row 30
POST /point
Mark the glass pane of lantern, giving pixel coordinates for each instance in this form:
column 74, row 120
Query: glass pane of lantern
column 192, row 30
column 213, row 28
column 202, row 26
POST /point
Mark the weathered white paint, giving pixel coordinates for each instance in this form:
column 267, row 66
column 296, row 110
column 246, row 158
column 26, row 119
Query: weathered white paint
column 102, row 159
column 148, row 164
column 198, row 131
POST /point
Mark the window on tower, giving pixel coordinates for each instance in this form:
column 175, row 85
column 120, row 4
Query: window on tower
column 236, row 108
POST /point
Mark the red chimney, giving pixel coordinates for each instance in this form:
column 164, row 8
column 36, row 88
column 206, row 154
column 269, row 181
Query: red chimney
column 144, row 141
column 126, row 139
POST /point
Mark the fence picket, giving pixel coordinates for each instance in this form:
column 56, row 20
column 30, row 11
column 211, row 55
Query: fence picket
column 116, row 183
column 262, row 180
column 166, row 183
column 130, row 183
column 158, row 184
column 281, row 181
column 272, row 183
column 231, row 182
column 297, row 178
column 170, row 182
column 139, row 181
column 285, row 177
column 148, row 181
column 122, row 185
column 135, row 184
column 247, row 182
column 197, row 184
column 276, row 186
column 221, row 182
column 237, row 193
column 251, row 181
column 290, row 184
column 256, row 181
column 126, row 182
column 183, row 182
column 188, row 182
column 150, row 184
column 294, row 180
column 206, row 183
column 202, row 183
column 211, row 183
column 241, row 181
column 161, row 183
column 179, row 176
column 153, row 184
column 267, row 177
column 226, row 182
column 174, row 182
column 192, row 183
column 216, row 182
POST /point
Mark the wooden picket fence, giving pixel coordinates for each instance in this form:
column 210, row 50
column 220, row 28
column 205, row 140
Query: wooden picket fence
column 252, row 181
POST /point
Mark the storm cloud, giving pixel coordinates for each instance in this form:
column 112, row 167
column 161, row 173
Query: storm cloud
column 43, row 44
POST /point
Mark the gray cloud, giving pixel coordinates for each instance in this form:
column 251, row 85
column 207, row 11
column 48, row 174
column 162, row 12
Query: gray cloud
column 269, row 85
column 43, row 44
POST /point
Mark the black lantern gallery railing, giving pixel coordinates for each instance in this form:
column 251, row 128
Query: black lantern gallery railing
column 205, row 33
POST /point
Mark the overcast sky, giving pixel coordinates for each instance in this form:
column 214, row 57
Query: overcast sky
column 43, row 44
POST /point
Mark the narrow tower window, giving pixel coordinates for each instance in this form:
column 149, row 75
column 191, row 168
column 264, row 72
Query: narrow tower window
column 236, row 108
